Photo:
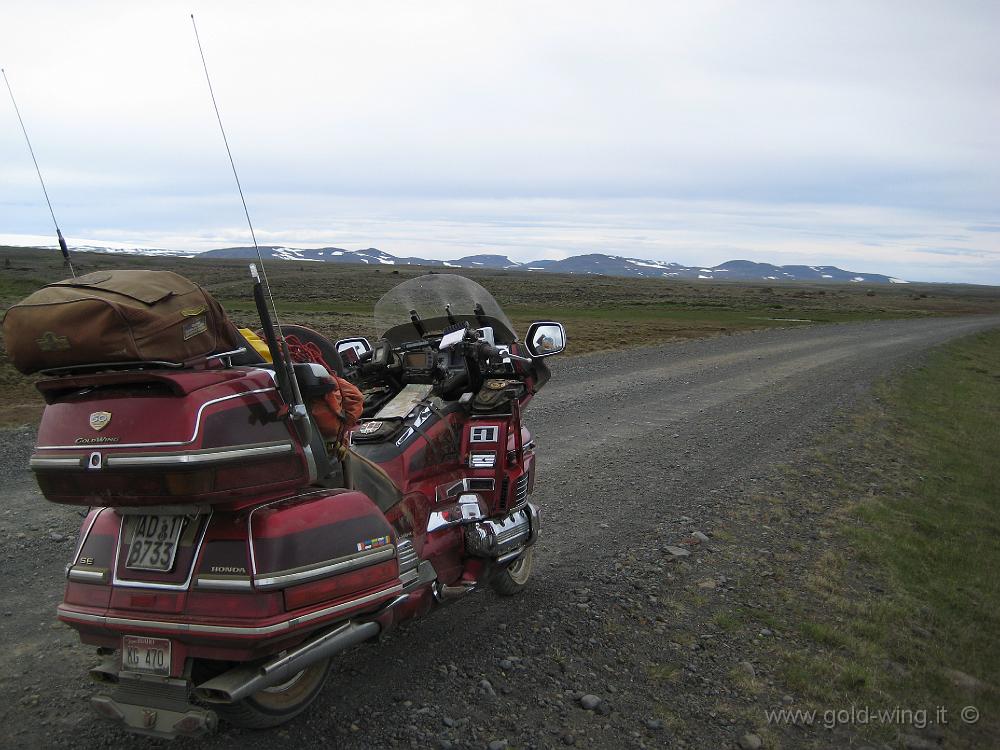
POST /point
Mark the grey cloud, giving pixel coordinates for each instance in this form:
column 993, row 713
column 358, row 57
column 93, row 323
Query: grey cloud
column 684, row 131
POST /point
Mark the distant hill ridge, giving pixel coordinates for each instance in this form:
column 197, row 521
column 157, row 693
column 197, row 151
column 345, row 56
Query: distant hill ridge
column 593, row 263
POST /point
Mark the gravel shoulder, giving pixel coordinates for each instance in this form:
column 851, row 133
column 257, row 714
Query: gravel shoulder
column 638, row 450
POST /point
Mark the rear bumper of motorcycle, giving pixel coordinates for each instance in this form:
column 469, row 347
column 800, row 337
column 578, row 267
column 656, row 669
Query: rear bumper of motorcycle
column 164, row 707
column 216, row 638
column 156, row 708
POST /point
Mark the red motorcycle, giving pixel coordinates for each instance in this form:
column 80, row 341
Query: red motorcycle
column 230, row 552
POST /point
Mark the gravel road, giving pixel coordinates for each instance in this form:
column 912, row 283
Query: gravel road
column 638, row 451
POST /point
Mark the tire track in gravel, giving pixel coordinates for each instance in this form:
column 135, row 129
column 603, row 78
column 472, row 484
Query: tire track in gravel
column 630, row 445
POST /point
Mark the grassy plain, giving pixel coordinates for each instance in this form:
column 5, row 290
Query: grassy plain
column 599, row 312
column 902, row 609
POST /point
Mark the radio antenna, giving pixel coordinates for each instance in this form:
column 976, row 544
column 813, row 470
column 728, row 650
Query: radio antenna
column 62, row 242
column 299, row 410
column 232, row 163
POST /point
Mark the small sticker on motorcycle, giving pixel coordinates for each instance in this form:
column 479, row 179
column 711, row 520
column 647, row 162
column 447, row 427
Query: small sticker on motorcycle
column 194, row 327
column 379, row 541
column 367, row 428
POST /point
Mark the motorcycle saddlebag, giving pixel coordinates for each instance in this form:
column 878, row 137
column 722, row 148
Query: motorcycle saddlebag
column 116, row 316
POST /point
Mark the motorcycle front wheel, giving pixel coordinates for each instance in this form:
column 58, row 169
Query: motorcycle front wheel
column 512, row 579
column 279, row 703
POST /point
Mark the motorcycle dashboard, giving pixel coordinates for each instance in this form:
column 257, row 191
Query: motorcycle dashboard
column 427, row 364
column 418, row 360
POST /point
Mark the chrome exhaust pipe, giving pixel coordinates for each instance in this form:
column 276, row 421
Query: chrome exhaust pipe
column 241, row 682
column 442, row 592
column 106, row 672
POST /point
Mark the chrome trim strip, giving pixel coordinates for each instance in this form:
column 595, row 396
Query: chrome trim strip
column 398, row 600
column 189, row 627
column 521, row 489
column 409, row 576
column 197, row 427
column 87, row 576
column 230, row 353
column 116, row 581
column 163, row 510
column 520, row 530
column 223, row 584
column 82, row 540
column 208, row 457
column 281, row 579
column 310, row 461
column 510, row 556
column 43, row 462
column 482, row 459
column 93, row 369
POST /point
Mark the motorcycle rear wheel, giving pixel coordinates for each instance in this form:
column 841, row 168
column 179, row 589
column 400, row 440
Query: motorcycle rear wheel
column 276, row 705
column 514, row 578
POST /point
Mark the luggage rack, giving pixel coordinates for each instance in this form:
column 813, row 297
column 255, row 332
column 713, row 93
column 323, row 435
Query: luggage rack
column 154, row 364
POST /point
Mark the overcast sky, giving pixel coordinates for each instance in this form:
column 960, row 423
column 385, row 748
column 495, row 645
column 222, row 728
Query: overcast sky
column 859, row 134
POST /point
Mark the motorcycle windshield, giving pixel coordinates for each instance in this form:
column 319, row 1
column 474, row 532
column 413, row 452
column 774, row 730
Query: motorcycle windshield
column 428, row 296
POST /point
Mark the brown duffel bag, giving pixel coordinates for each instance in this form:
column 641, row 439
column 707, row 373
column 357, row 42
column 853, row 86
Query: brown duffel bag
column 116, row 316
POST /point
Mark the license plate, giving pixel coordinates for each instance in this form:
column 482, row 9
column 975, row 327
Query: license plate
column 154, row 542
column 146, row 655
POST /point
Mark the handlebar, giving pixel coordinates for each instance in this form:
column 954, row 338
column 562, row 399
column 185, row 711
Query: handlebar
column 488, row 351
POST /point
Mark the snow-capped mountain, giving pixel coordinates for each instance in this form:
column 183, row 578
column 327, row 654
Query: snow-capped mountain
column 371, row 256
column 125, row 250
column 594, row 263
column 488, row 261
column 732, row 270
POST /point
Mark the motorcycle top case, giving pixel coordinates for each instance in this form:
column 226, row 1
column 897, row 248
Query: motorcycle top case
column 161, row 437
column 116, row 316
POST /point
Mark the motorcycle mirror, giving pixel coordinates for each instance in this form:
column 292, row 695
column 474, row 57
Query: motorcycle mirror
column 545, row 338
column 359, row 346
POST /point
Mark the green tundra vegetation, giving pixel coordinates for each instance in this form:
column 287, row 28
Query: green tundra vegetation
column 902, row 606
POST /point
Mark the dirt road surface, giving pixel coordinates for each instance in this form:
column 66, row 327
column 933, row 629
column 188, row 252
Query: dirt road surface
column 638, row 450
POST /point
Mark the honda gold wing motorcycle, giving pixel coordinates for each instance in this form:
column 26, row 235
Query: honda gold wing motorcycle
column 231, row 550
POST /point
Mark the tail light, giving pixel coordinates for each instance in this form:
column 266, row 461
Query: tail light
column 339, row 586
column 125, row 486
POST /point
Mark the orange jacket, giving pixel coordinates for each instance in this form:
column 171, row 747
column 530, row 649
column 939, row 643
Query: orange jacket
column 339, row 410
